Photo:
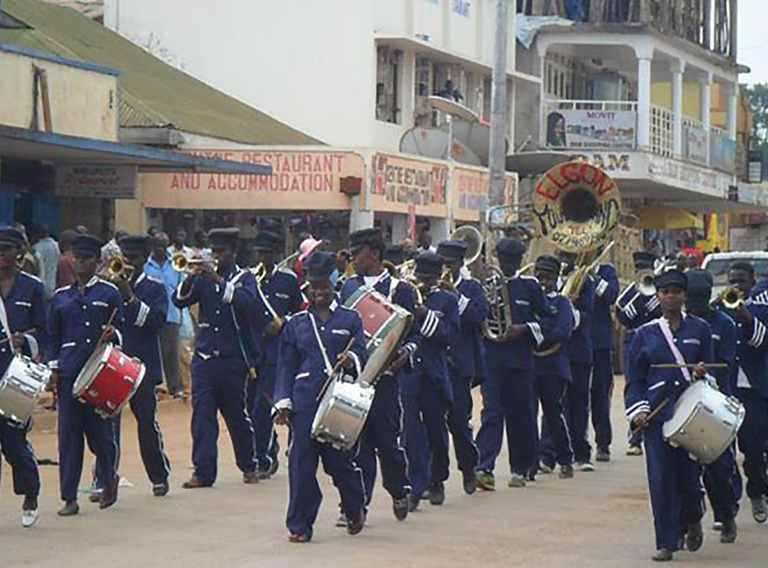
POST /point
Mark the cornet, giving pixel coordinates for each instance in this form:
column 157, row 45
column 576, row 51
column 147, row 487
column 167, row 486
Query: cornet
column 182, row 263
column 732, row 298
column 118, row 268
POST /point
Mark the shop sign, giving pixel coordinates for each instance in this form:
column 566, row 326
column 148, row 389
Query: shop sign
column 82, row 180
column 591, row 129
column 470, row 189
column 400, row 182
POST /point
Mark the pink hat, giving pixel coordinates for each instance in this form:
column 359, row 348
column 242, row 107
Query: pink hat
column 307, row 247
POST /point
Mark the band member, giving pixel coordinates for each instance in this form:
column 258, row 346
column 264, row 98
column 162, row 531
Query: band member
column 313, row 340
column 381, row 433
column 82, row 315
column 720, row 477
column 580, row 355
column 145, row 308
column 601, row 391
column 279, row 297
column 466, row 358
column 226, row 353
column 427, row 388
column 508, row 392
column 553, row 368
column 673, row 477
column 752, row 384
column 635, row 307
column 22, row 312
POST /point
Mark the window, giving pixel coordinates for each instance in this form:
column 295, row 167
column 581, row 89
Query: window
column 388, row 87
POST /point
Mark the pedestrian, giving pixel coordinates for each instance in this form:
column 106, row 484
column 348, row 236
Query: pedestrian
column 49, row 253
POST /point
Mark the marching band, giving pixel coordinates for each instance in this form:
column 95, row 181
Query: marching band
column 374, row 366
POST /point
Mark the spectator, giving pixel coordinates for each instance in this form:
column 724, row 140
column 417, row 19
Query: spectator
column 425, row 243
column 450, row 92
column 49, row 253
column 159, row 267
column 30, row 260
column 201, row 247
column 112, row 247
column 180, row 243
column 65, row 271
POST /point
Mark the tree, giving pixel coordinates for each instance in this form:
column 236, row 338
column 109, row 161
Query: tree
column 757, row 95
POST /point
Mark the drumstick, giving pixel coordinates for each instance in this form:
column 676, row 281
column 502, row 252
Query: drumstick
column 108, row 324
column 7, row 338
column 689, row 365
column 651, row 416
column 335, row 368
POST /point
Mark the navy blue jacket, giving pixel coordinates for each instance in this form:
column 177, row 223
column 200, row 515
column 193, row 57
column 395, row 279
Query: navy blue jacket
column 25, row 310
column 606, row 294
column 557, row 364
column 646, row 388
column 580, row 345
column 529, row 306
column 467, row 354
column 301, row 369
column 143, row 320
column 76, row 321
column 281, row 292
column 229, row 321
column 724, row 344
column 634, row 312
column 752, row 347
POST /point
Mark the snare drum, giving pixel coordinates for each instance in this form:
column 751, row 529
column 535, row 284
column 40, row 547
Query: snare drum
column 342, row 413
column 108, row 380
column 21, row 387
column 705, row 422
column 385, row 324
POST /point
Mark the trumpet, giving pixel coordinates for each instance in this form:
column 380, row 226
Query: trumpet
column 182, row 263
column 732, row 298
column 259, row 272
column 118, row 268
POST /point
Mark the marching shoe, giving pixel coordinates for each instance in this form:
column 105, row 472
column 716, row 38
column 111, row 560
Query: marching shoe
column 355, row 526
column 728, row 533
column 193, row 483
column 695, row 537
column 437, row 493
column 585, row 466
column 251, row 477
column 469, row 482
column 716, row 526
column 759, row 512
column 566, row 471
column 545, row 469
column 635, row 451
column 95, row 495
column 413, row 502
column 485, row 480
column 602, row 455
column 662, row 555
column 400, row 507
column 69, row 509
column 109, row 495
column 517, row 480
column 299, row 538
column 341, row 521
column 29, row 512
column 161, row 489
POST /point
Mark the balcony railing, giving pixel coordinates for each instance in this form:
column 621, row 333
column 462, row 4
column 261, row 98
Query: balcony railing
column 662, row 131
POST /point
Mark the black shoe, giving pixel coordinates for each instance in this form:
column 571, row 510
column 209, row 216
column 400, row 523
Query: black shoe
column 161, row 489
column 662, row 555
column 95, row 495
column 759, row 512
column 69, row 509
column 251, row 477
column 194, row 483
column 566, row 471
column 355, row 526
column 109, row 495
column 469, row 482
column 273, row 467
column 602, row 455
column 728, row 532
column 400, row 507
column 437, row 493
column 694, row 538
column 413, row 502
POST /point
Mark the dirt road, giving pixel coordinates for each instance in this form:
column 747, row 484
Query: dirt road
column 598, row 519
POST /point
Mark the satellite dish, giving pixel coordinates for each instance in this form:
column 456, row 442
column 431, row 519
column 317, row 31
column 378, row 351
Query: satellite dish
column 477, row 137
column 451, row 108
column 433, row 143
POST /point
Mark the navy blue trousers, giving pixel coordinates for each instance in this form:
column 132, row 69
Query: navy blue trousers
column 305, row 496
column 76, row 422
column 416, row 444
column 460, row 423
column 753, row 441
column 219, row 385
column 674, row 483
column 555, row 443
column 21, row 457
column 381, row 437
column 261, row 391
column 721, row 480
column 601, row 393
column 577, row 410
column 508, row 400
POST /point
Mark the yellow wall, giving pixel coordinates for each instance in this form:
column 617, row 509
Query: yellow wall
column 661, row 95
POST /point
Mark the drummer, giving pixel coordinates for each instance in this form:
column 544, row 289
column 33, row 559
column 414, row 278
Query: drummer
column 720, row 477
column 81, row 315
column 382, row 430
column 25, row 316
column 312, row 341
column 279, row 297
column 673, row 477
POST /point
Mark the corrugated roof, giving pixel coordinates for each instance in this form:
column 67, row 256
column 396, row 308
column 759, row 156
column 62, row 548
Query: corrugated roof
column 153, row 93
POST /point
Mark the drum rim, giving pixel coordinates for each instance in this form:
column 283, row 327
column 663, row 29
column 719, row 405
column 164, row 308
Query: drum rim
column 99, row 357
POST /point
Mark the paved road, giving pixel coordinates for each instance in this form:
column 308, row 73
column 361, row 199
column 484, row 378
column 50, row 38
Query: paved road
column 599, row 519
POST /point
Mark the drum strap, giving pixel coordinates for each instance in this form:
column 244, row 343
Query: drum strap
column 4, row 319
column 321, row 345
column 667, row 333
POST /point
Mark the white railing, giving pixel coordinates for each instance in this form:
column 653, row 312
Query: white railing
column 662, row 131
column 575, row 104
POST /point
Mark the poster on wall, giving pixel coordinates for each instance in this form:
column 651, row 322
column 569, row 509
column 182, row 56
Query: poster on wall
column 401, row 182
column 591, row 129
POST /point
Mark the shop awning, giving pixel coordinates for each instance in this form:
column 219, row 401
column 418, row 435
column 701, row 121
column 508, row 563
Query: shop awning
column 24, row 144
column 662, row 217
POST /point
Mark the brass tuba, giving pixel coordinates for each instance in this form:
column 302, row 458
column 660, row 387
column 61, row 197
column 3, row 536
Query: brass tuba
column 499, row 318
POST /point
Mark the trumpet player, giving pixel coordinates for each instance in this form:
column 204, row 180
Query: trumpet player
column 751, row 317
column 508, row 392
column 279, row 297
column 466, row 357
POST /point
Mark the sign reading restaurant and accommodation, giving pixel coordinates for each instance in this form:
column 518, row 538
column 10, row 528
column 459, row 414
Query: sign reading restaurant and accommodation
column 399, row 183
column 81, row 180
column 299, row 180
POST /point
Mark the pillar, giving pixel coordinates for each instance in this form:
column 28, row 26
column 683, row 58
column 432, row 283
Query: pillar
column 705, row 95
column 733, row 111
column 359, row 219
column 439, row 229
column 678, row 69
column 399, row 228
column 644, row 102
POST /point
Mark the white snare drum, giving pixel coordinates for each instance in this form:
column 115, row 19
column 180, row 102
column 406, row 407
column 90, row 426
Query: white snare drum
column 21, row 387
column 705, row 422
column 342, row 414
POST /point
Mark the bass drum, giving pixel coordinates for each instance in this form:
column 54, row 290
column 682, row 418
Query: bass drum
column 705, row 422
column 342, row 413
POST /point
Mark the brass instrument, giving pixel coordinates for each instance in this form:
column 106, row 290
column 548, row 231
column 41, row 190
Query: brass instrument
column 118, row 268
column 446, row 279
column 287, row 261
column 499, row 318
column 182, row 263
column 645, row 281
column 474, row 240
column 259, row 272
column 732, row 298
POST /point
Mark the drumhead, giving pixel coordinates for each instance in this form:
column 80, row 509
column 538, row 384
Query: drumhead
column 91, row 369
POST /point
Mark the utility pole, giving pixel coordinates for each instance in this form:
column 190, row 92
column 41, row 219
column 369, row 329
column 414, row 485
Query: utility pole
column 499, row 121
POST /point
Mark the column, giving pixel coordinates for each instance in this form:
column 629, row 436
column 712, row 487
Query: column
column 439, row 229
column 705, row 102
column 733, row 110
column 399, row 228
column 359, row 219
column 677, row 68
column 644, row 103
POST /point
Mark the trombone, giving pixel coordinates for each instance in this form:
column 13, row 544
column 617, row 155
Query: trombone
column 186, row 264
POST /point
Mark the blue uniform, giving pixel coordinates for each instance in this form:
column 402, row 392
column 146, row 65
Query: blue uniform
column 508, row 392
column 25, row 311
column 301, row 375
column 752, row 391
column 673, row 477
column 553, row 373
column 601, row 392
column 427, row 388
column 382, row 431
column 466, row 362
column 75, row 323
column 279, row 295
column 225, row 349
column 580, row 355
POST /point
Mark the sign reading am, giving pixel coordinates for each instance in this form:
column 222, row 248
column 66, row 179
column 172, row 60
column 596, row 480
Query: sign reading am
column 82, row 180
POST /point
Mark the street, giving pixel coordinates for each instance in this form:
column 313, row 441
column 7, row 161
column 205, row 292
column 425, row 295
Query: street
column 597, row 519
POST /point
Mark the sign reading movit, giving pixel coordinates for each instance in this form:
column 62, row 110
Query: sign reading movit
column 591, row 129
column 80, row 180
